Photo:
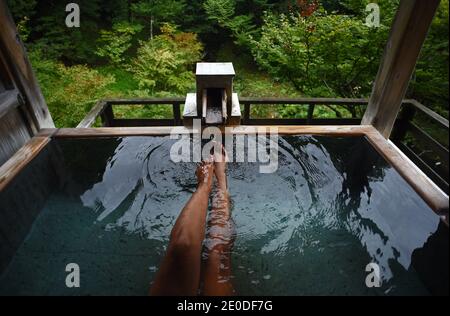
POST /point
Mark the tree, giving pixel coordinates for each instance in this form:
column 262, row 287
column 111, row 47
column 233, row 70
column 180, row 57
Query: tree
column 112, row 45
column 21, row 8
column 71, row 45
column 70, row 92
column 22, row 11
column 223, row 12
column 321, row 54
column 430, row 81
column 165, row 63
column 157, row 12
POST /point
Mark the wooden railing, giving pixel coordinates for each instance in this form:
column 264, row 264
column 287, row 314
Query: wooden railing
column 429, row 153
column 105, row 111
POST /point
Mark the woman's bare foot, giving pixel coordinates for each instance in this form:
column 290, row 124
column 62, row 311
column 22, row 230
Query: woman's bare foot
column 220, row 169
column 205, row 172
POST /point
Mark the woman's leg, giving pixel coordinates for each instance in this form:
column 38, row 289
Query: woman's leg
column 219, row 240
column 179, row 273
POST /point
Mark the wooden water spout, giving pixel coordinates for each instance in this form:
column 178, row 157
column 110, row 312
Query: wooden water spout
column 214, row 103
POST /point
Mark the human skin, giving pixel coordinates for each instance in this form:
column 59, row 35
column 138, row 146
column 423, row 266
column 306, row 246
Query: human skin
column 181, row 270
column 179, row 273
column 217, row 271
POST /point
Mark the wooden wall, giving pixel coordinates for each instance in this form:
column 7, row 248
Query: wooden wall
column 13, row 134
column 23, row 111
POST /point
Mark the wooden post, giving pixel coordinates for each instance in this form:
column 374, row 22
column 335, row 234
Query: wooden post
column 247, row 110
column 311, row 109
column 177, row 113
column 403, row 124
column 408, row 33
column 108, row 116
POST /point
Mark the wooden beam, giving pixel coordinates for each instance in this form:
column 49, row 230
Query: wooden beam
column 429, row 142
column 430, row 113
column 21, row 158
column 305, row 101
column 145, row 101
column 142, row 122
column 251, row 100
column 95, row 112
column 436, row 199
column 16, row 59
column 301, row 121
column 47, row 132
column 408, row 33
column 419, row 162
column 350, row 130
column 112, row 132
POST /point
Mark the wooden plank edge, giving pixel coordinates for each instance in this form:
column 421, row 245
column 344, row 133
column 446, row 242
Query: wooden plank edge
column 10, row 169
column 435, row 116
column 95, row 112
column 355, row 130
column 47, row 132
column 303, row 101
column 436, row 199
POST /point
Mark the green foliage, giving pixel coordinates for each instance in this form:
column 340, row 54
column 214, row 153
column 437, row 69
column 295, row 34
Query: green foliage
column 250, row 82
column 220, row 10
column 430, row 82
column 281, row 48
column 158, row 11
column 322, row 55
column 192, row 19
column 21, row 8
column 113, row 44
column 144, row 111
column 125, row 85
column 358, row 8
column 51, row 36
column 70, row 92
column 166, row 62
column 23, row 29
column 22, row 11
column 223, row 11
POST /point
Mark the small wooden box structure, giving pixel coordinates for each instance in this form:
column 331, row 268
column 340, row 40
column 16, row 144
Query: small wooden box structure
column 214, row 103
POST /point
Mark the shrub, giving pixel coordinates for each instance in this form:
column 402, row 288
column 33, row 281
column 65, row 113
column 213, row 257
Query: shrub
column 166, row 62
column 112, row 45
column 431, row 79
column 223, row 12
column 70, row 92
column 321, row 54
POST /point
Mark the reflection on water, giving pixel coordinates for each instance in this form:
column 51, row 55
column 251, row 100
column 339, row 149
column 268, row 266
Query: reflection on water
column 333, row 206
column 141, row 189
